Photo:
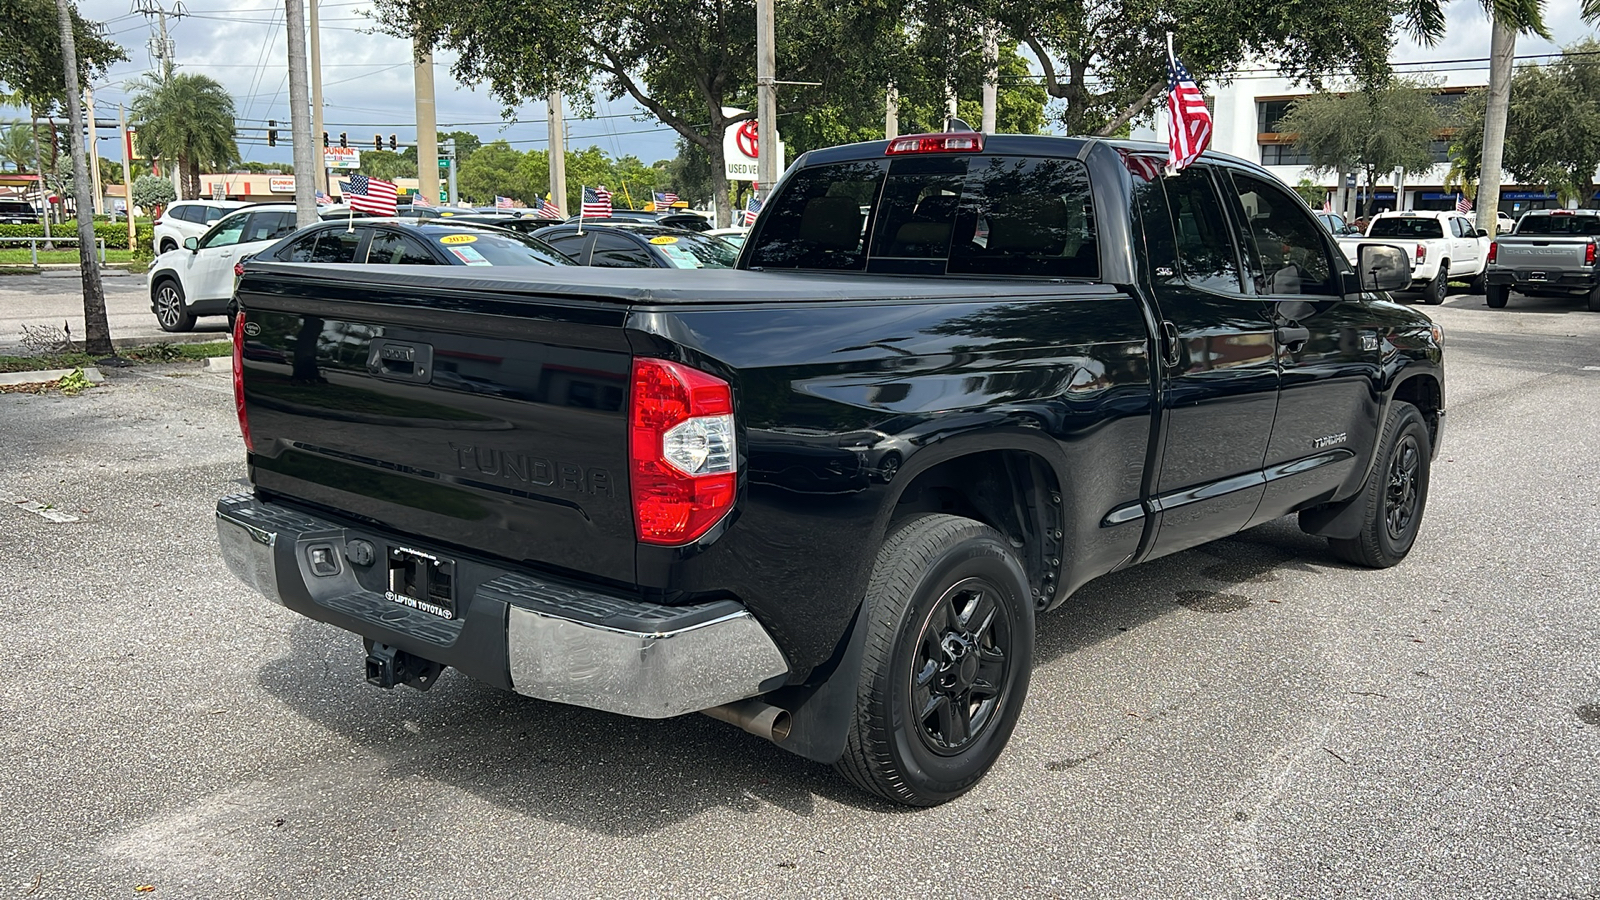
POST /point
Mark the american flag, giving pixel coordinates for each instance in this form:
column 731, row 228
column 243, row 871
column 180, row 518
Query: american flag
column 502, row 202
column 323, row 199
column 1327, row 203
column 371, row 195
column 1148, row 168
column 1463, row 205
column 544, row 209
column 665, row 198
column 596, row 203
column 751, row 208
column 1188, row 120
column 420, row 200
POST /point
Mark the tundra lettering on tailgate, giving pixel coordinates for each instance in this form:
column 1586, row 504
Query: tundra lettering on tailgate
column 533, row 470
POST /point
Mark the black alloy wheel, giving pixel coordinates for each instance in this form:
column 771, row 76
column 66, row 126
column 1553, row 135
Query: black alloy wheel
column 1395, row 494
column 948, row 648
column 1439, row 287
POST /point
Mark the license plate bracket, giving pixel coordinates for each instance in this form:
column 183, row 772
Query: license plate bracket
column 422, row 581
column 1538, row 276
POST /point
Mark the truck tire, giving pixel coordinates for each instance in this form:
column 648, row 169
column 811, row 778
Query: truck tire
column 945, row 665
column 1594, row 299
column 171, row 314
column 1439, row 287
column 1478, row 283
column 1496, row 295
column 1395, row 495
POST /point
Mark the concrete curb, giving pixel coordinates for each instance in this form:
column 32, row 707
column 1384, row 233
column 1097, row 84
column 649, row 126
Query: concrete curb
column 48, row 375
column 223, row 364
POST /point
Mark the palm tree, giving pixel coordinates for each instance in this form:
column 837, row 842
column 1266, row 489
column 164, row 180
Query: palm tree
column 16, row 146
column 188, row 121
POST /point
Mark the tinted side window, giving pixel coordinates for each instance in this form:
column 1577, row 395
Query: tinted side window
column 225, row 233
column 1284, row 245
column 1206, row 255
column 211, row 214
column 613, row 251
column 819, row 220
column 300, row 249
column 267, row 226
column 570, row 245
column 397, row 249
column 1026, row 216
column 336, row 245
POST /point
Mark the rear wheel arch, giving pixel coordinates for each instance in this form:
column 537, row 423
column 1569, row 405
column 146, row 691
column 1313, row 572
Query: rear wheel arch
column 1424, row 391
column 1018, row 491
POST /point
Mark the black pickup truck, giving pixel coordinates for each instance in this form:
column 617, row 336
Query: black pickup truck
column 823, row 495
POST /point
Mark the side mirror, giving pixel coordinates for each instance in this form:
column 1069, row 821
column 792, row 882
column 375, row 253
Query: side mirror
column 1480, row 233
column 1382, row 268
column 191, row 244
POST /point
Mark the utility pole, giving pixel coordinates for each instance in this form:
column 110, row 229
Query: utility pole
column 97, row 332
column 1502, row 45
column 38, row 166
column 891, row 114
column 558, row 152
column 127, row 175
column 163, row 49
column 305, row 149
column 991, row 76
column 320, row 171
column 427, row 124
column 766, row 97
column 94, row 154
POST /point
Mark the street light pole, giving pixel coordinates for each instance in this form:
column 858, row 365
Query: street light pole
column 305, row 200
column 558, row 151
column 427, row 123
column 766, row 96
column 319, row 172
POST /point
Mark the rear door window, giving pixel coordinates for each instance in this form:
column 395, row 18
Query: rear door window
column 389, row 248
column 267, row 226
column 617, row 251
column 336, row 245
column 820, row 219
column 1206, row 255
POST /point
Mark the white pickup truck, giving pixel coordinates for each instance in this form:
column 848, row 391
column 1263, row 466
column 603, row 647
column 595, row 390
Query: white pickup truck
column 1442, row 246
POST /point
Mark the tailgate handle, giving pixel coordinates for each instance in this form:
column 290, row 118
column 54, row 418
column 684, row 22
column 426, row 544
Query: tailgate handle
column 401, row 360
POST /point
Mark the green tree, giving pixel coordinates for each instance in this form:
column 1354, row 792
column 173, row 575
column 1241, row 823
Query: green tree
column 1106, row 60
column 491, row 171
column 17, row 147
column 689, row 175
column 682, row 62
column 1552, row 126
column 31, row 67
column 1374, row 131
column 151, row 192
column 187, row 119
column 388, row 165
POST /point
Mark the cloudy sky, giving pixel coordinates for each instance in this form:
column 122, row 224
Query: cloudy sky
column 367, row 82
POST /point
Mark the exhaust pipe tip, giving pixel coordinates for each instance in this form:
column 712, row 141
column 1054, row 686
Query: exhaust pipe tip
column 760, row 719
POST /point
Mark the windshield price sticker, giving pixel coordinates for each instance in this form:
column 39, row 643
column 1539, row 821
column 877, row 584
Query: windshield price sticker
column 470, row 256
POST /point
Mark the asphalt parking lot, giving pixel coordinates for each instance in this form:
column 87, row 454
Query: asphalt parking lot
column 55, row 298
column 1250, row 719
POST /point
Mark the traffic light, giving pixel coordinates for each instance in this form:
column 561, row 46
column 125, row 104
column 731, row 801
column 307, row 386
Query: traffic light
column 393, row 144
column 272, row 132
column 377, row 142
column 324, row 139
column 344, row 138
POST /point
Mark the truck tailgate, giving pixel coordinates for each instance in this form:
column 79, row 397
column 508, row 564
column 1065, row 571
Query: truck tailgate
column 469, row 420
column 1541, row 253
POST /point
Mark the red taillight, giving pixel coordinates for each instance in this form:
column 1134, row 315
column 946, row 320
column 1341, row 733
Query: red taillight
column 1494, row 250
column 1588, row 254
column 1422, row 252
column 957, row 142
column 238, row 270
column 238, row 380
column 683, row 461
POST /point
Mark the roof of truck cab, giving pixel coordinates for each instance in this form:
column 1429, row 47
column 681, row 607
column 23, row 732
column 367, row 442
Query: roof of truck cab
column 645, row 286
column 1012, row 145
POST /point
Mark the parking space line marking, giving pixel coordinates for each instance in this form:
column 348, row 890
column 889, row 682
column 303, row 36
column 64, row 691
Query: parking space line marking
column 42, row 510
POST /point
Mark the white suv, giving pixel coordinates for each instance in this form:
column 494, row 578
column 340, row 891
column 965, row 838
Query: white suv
column 197, row 278
column 189, row 218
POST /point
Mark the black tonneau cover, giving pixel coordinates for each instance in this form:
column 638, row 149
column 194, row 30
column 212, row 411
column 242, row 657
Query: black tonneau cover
column 647, row 287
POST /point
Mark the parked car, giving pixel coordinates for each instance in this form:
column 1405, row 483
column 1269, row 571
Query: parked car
column 196, row 279
column 627, row 245
column 1441, row 246
column 1503, row 223
column 824, row 495
column 734, row 236
column 685, row 220
column 519, row 224
column 189, row 219
column 401, row 241
column 1550, row 254
column 18, row 212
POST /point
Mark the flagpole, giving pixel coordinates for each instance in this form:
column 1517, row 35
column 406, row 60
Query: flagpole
column 582, row 190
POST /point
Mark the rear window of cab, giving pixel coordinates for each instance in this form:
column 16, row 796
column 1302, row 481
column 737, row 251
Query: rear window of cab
column 1406, row 227
column 934, row 215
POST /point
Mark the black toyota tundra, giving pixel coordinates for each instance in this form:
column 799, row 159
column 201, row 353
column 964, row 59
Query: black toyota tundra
column 823, row 495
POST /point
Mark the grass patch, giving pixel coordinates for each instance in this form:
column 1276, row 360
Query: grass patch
column 150, row 353
column 22, row 257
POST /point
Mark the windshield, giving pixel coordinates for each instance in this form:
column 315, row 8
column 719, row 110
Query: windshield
column 1406, row 227
column 692, row 250
column 1588, row 226
column 488, row 248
